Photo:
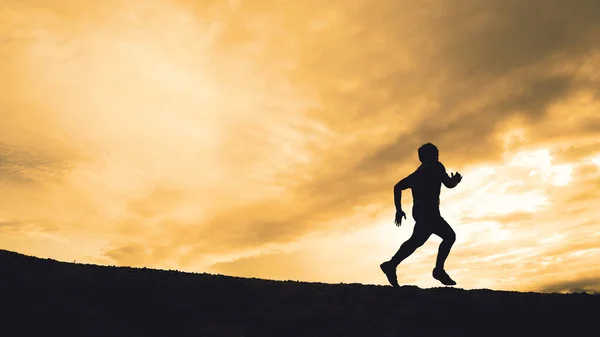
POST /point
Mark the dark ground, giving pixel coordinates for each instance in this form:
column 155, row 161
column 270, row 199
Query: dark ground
column 43, row 297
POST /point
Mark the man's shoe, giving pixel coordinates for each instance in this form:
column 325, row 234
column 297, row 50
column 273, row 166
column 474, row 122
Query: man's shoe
column 390, row 272
column 441, row 275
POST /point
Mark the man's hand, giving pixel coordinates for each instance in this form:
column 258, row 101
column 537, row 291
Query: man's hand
column 456, row 177
column 399, row 215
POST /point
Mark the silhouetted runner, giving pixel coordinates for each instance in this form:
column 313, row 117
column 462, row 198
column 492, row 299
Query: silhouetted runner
column 425, row 184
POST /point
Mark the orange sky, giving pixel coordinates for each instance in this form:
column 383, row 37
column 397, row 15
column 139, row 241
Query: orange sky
column 262, row 138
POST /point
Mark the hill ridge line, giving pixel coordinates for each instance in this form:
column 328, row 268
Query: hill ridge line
column 242, row 278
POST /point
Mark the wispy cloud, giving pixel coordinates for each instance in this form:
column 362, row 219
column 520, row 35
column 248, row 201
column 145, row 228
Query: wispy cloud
column 243, row 136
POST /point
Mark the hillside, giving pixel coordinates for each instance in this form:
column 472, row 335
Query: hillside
column 43, row 297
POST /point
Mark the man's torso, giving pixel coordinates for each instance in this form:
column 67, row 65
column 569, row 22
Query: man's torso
column 426, row 184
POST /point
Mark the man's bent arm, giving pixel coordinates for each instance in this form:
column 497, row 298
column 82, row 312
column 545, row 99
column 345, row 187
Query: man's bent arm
column 398, row 188
column 446, row 179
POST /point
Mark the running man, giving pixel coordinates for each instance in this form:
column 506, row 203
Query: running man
column 425, row 183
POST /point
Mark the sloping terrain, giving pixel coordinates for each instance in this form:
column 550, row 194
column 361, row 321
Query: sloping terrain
column 43, row 297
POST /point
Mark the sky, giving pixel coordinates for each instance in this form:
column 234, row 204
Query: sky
column 263, row 138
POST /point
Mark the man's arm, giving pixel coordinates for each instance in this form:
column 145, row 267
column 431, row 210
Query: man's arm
column 398, row 188
column 448, row 181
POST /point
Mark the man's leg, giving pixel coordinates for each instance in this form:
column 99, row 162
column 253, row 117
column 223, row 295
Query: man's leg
column 419, row 236
column 444, row 231
column 417, row 239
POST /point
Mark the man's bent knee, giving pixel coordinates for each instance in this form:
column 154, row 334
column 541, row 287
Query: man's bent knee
column 450, row 237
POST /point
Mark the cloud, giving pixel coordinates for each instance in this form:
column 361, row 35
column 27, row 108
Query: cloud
column 181, row 131
column 585, row 284
column 280, row 266
column 9, row 225
column 527, row 85
column 131, row 254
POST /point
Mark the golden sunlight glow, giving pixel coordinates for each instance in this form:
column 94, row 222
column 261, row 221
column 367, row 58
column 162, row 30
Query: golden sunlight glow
column 262, row 140
column 596, row 160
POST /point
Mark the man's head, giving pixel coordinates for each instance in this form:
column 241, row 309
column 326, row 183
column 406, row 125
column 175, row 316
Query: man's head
column 428, row 153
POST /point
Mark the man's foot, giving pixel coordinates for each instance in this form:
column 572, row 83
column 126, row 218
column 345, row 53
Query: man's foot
column 390, row 272
column 441, row 275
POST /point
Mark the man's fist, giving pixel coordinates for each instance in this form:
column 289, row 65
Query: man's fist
column 456, row 177
column 399, row 215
